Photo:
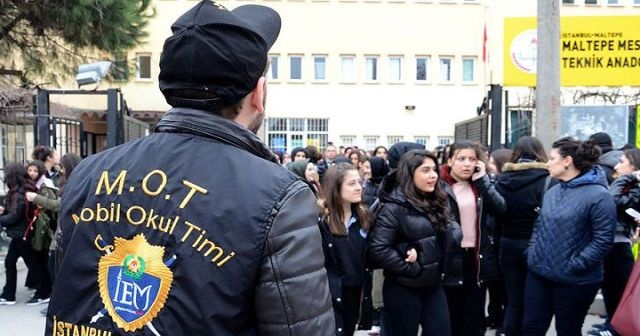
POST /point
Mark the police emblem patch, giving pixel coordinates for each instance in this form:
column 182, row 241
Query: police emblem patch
column 134, row 282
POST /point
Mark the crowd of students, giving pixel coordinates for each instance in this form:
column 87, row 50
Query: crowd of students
column 414, row 239
column 29, row 216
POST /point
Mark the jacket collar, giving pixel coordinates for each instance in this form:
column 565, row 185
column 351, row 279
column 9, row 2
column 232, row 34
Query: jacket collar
column 509, row 166
column 208, row 125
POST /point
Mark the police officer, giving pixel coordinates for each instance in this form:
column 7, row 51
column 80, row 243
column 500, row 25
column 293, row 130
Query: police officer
column 195, row 230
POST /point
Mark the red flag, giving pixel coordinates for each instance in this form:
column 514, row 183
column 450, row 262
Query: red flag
column 484, row 44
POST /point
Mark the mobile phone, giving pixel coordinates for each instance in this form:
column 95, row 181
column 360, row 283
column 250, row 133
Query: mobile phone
column 633, row 213
column 477, row 169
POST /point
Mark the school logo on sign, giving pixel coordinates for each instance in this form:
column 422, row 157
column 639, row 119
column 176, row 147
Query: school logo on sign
column 134, row 282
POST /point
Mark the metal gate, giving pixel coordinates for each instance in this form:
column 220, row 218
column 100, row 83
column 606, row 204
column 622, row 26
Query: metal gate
column 476, row 129
column 67, row 136
column 133, row 128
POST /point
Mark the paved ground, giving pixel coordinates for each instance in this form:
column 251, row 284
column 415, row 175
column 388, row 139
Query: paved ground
column 24, row 320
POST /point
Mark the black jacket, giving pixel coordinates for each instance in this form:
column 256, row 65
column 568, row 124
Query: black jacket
column 626, row 194
column 399, row 227
column 336, row 275
column 488, row 200
column 17, row 214
column 199, row 206
column 522, row 185
column 370, row 193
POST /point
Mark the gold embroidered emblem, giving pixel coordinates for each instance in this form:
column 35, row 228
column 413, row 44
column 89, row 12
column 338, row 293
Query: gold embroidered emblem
column 134, row 282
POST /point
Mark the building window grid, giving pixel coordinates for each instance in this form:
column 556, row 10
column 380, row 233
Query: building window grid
column 320, row 67
column 371, row 70
column 395, row 68
column 443, row 141
column 446, row 65
column 273, row 67
column 295, row 67
column 286, row 133
column 143, row 66
column 347, row 69
column 468, row 69
column 423, row 140
column 347, row 140
column 371, row 142
column 422, row 68
column 394, row 139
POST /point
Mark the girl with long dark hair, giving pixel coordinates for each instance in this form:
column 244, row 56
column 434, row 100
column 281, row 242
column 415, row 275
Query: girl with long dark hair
column 15, row 218
column 413, row 229
column 344, row 224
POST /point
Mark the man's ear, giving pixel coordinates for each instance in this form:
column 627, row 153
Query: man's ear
column 257, row 98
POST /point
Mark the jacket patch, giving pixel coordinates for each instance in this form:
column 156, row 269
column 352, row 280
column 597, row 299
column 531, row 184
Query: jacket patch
column 134, row 281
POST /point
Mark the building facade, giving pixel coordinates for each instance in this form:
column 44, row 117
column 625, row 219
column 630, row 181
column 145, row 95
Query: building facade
column 369, row 72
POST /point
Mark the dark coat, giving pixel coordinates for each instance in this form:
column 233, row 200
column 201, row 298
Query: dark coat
column 522, row 187
column 335, row 275
column 574, row 231
column 399, row 227
column 244, row 234
column 626, row 194
column 488, row 201
column 17, row 214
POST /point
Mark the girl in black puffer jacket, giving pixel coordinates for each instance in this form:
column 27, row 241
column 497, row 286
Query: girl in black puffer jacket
column 412, row 232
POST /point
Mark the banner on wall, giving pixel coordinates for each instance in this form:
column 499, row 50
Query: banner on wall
column 594, row 51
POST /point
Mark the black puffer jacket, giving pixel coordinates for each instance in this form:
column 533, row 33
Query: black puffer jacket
column 399, row 227
column 233, row 235
column 522, row 186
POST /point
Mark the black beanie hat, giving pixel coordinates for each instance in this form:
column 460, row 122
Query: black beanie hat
column 603, row 140
column 398, row 150
column 216, row 50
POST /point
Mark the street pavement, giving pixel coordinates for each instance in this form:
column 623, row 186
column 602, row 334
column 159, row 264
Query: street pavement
column 23, row 320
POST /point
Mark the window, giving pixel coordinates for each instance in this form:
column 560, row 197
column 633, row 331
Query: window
column 283, row 134
column 422, row 68
column 143, row 66
column 423, row 140
column 319, row 67
column 371, row 68
column 568, row 1
column 443, row 141
column 395, row 68
column 445, row 69
column 590, row 2
column 120, row 69
column 347, row 72
column 468, row 69
column 636, row 2
column 613, row 2
column 295, row 67
column 394, row 139
column 347, row 140
column 371, row 142
column 273, row 67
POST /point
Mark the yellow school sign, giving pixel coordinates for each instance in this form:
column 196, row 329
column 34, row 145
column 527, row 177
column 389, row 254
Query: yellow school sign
column 594, row 51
